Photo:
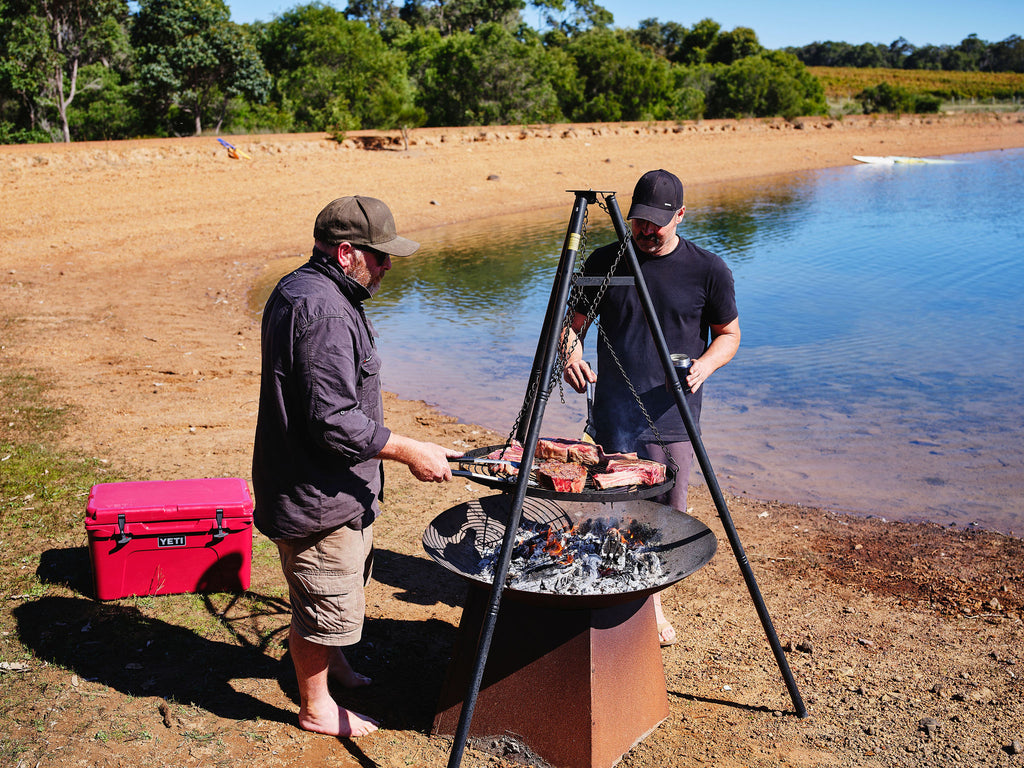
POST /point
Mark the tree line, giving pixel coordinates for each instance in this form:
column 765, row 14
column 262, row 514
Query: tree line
column 102, row 69
column 970, row 55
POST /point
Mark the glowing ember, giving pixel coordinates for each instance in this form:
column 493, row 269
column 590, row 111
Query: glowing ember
column 595, row 557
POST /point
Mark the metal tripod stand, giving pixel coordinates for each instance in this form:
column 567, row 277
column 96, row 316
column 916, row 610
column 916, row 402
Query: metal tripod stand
column 531, row 416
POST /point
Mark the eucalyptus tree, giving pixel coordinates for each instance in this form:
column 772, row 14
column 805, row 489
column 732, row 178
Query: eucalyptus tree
column 571, row 17
column 696, row 43
column 44, row 45
column 1006, row 55
column 452, row 16
column 734, row 45
column 665, row 39
column 193, row 59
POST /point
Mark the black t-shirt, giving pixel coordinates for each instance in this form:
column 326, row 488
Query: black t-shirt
column 691, row 289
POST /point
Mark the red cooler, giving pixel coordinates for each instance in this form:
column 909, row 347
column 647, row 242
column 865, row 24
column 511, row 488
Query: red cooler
column 163, row 537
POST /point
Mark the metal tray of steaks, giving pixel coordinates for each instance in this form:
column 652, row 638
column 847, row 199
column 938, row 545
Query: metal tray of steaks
column 474, row 465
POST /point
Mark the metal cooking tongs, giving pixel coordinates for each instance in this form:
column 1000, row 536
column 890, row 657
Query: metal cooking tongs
column 466, row 461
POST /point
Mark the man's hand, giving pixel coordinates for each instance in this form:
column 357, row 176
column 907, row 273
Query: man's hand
column 725, row 340
column 578, row 374
column 428, row 462
column 431, row 463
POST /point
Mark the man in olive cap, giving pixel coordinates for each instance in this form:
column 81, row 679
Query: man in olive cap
column 320, row 438
column 694, row 297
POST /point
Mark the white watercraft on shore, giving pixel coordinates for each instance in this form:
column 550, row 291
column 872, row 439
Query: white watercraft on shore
column 895, row 159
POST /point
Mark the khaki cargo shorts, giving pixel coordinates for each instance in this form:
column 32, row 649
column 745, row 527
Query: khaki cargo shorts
column 327, row 575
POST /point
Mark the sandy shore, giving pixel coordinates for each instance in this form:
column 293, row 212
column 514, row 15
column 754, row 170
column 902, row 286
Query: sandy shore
column 125, row 272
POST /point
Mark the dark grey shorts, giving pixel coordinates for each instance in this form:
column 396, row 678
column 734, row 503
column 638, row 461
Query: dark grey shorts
column 682, row 454
column 327, row 575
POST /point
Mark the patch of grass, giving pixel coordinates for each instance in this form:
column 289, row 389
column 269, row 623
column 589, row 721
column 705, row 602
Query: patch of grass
column 11, row 750
column 43, row 489
column 98, row 655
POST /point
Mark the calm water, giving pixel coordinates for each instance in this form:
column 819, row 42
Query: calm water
column 881, row 363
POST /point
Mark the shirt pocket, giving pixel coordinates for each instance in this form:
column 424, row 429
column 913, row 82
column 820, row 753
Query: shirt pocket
column 369, row 382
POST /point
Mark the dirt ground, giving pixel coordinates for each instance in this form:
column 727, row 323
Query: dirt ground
column 125, row 275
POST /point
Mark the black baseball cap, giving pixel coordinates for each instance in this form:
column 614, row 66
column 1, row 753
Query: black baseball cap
column 361, row 221
column 657, row 197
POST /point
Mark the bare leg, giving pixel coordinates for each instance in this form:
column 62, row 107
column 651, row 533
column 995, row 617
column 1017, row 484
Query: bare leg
column 682, row 457
column 342, row 673
column 318, row 711
column 666, row 633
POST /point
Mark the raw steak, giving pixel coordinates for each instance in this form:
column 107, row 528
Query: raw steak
column 563, row 476
column 620, row 477
column 652, row 472
column 568, row 450
column 510, row 453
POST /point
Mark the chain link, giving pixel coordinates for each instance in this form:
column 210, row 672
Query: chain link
column 636, row 396
column 577, row 297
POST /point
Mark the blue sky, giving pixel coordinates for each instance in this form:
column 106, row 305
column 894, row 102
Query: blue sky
column 788, row 22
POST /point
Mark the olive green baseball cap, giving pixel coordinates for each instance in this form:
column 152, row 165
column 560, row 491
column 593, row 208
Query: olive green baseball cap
column 361, row 221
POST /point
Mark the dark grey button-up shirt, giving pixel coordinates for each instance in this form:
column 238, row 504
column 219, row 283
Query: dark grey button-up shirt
column 320, row 423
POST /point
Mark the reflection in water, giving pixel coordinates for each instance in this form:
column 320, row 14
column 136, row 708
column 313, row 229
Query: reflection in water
column 871, row 377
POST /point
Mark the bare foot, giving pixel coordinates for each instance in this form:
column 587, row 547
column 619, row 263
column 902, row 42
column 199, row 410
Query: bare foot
column 666, row 635
column 341, row 672
column 338, row 722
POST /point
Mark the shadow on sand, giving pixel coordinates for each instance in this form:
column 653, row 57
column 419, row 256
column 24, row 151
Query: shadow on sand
column 119, row 645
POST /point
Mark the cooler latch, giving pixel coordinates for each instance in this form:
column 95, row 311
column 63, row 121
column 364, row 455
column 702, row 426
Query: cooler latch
column 220, row 533
column 122, row 537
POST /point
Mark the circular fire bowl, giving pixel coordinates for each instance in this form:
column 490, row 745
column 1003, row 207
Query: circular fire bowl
column 458, row 536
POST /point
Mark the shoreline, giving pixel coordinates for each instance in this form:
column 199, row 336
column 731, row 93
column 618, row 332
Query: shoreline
column 200, row 228
column 126, row 272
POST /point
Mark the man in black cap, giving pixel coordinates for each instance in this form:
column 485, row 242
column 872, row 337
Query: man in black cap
column 320, row 439
column 694, row 298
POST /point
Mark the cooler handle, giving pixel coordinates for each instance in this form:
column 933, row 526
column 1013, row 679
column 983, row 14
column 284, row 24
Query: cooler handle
column 122, row 537
column 220, row 533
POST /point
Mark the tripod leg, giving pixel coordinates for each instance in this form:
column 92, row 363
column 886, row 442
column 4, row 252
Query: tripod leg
column 702, row 457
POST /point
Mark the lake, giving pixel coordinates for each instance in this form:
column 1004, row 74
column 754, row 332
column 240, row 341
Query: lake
column 879, row 371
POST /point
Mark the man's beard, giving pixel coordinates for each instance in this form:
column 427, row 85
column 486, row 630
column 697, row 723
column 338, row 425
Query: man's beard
column 362, row 275
column 648, row 243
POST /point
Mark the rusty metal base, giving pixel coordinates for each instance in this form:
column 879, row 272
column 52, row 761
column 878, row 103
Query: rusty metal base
column 578, row 687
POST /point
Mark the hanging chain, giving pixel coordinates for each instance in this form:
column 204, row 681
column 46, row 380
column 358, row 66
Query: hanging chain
column 592, row 314
column 563, row 354
column 636, row 396
column 577, row 298
column 577, row 295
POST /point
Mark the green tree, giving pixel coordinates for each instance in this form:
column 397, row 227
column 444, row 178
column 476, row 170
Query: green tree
column 106, row 110
column 773, row 83
column 926, row 57
column 335, row 73
column 1007, row 55
column 23, row 47
column 732, row 46
column 44, row 44
column 484, row 78
column 618, row 80
column 697, row 41
column 663, row 39
column 193, row 59
column 571, row 17
column 452, row 16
